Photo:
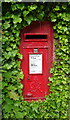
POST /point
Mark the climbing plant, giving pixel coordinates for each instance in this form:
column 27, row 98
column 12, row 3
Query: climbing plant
column 15, row 16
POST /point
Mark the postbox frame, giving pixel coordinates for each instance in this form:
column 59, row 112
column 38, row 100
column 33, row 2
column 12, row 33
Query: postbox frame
column 45, row 44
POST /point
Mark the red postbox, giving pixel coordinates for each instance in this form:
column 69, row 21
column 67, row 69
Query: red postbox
column 37, row 49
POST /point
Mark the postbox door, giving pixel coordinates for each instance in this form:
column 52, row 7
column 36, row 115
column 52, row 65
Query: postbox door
column 35, row 68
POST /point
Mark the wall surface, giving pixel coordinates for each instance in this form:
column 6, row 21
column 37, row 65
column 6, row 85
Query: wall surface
column 15, row 17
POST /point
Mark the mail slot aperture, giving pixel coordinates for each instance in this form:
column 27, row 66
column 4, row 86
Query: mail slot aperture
column 35, row 37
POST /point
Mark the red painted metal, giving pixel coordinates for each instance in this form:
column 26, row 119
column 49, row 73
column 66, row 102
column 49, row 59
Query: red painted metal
column 36, row 84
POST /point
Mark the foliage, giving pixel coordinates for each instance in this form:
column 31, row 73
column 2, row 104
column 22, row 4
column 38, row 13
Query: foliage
column 16, row 16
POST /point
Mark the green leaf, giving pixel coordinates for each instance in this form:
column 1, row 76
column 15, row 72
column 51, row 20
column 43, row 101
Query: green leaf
column 6, row 24
column 40, row 15
column 7, row 15
column 20, row 86
column 64, row 6
column 19, row 115
column 11, row 87
column 7, row 66
column 53, row 17
column 13, row 95
column 20, row 75
column 19, row 55
column 32, row 7
column 28, row 19
column 8, row 48
column 14, row 7
column 65, row 16
column 7, row 74
column 20, row 6
column 25, row 13
column 16, row 19
column 51, row 70
column 8, row 107
column 51, row 79
column 14, row 52
column 57, row 8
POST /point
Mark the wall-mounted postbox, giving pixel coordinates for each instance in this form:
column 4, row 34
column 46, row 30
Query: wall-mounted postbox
column 37, row 50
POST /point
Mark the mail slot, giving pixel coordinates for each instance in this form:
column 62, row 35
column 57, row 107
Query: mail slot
column 36, row 46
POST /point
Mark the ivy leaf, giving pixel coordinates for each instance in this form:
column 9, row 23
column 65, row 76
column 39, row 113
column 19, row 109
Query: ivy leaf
column 51, row 79
column 14, row 7
column 65, row 16
column 13, row 95
column 53, row 17
column 20, row 6
column 14, row 52
column 8, row 107
column 20, row 86
column 64, row 6
column 8, row 15
column 57, row 8
column 6, row 24
column 8, row 74
column 19, row 114
column 16, row 19
column 8, row 48
column 17, row 6
column 20, row 75
column 28, row 19
column 32, row 7
column 40, row 15
column 51, row 70
column 7, row 66
column 4, row 84
column 19, row 55
column 11, row 87
column 25, row 13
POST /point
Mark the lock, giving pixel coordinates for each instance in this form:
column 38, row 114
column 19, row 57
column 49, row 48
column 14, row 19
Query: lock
column 28, row 77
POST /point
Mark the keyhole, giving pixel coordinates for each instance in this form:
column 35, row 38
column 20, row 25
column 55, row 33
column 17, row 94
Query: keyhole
column 28, row 77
